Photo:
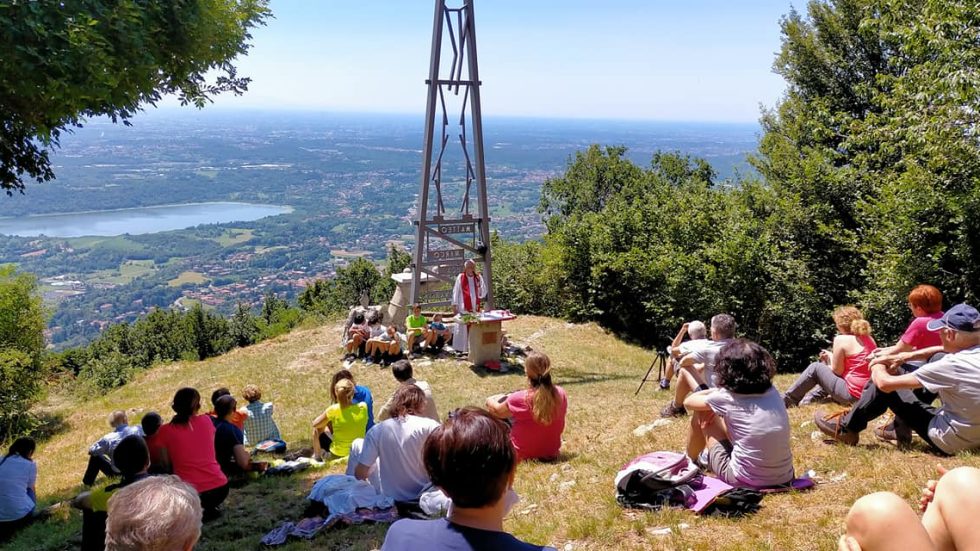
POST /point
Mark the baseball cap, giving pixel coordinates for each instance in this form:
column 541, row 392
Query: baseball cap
column 961, row 317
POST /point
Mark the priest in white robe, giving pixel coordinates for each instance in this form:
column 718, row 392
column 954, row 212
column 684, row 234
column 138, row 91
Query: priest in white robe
column 469, row 290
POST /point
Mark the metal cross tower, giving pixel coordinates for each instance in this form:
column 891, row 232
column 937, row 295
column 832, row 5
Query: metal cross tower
column 444, row 240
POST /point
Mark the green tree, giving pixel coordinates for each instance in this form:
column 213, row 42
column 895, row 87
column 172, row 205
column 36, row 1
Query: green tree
column 66, row 61
column 243, row 327
column 21, row 348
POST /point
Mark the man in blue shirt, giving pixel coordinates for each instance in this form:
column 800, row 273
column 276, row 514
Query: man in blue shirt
column 100, row 453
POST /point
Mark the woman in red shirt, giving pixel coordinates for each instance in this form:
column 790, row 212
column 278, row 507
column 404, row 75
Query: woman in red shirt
column 187, row 449
column 537, row 413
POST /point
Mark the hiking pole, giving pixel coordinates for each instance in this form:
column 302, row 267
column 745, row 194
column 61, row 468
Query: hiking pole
column 660, row 372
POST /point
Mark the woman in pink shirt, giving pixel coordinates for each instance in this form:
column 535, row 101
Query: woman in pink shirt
column 187, row 450
column 537, row 413
column 842, row 371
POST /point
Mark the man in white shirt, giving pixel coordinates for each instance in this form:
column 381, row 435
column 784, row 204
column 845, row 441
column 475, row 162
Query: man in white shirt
column 469, row 290
column 390, row 455
column 697, row 368
column 402, row 370
column 100, row 453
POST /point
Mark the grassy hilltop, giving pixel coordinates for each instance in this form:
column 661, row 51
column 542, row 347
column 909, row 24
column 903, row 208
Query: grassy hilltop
column 569, row 504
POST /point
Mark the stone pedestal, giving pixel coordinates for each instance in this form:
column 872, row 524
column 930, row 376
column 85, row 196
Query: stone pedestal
column 398, row 307
column 484, row 342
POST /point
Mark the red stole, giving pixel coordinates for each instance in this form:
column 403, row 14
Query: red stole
column 464, row 284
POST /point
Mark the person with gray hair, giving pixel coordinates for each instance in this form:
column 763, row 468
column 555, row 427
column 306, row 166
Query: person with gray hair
column 159, row 513
column 469, row 290
column 697, row 333
column 696, row 369
column 100, row 453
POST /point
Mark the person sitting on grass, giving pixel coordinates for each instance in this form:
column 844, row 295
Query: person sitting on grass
column 375, row 345
column 18, row 497
column 883, row 521
column 388, row 347
column 416, row 328
column 695, row 370
column 951, row 428
column 100, row 453
column 402, row 371
column 132, row 458
column 229, row 443
column 471, row 459
column 187, row 450
column 340, row 424
column 390, row 455
column 237, row 418
column 680, row 348
column 357, row 336
column 159, row 513
column 742, row 423
column 151, row 422
column 260, row 428
column 438, row 334
column 841, row 373
column 537, row 414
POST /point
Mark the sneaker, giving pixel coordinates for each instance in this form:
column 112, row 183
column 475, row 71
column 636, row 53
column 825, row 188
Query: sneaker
column 895, row 432
column 670, row 410
column 831, row 426
column 664, row 384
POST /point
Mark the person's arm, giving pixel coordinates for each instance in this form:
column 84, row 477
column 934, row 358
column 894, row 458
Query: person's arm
column 675, row 350
column 242, row 459
column 886, row 382
column 698, row 401
column 385, row 412
column 690, row 360
column 497, row 406
column 921, row 355
column 362, row 471
column 101, row 446
column 838, row 355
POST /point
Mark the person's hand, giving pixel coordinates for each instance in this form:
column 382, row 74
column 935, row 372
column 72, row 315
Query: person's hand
column 929, row 491
column 825, row 356
column 847, row 543
column 685, row 326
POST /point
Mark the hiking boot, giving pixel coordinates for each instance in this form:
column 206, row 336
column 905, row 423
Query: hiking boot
column 895, row 432
column 670, row 410
column 664, row 384
column 831, row 426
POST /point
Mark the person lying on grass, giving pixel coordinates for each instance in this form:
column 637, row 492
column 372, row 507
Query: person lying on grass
column 883, row 521
column 470, row 458
column 537, row 413
column 740, row 430
column 951, row 428
column 695, row 370
column 340, row 424
column 841, row 373
column 390, row 454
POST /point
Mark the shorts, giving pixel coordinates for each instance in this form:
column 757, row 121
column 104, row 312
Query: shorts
column 719, row 461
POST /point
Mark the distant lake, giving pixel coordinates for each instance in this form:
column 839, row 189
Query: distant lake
column 137, row 221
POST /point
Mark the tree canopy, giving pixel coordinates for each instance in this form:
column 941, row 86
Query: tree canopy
column 66, row 61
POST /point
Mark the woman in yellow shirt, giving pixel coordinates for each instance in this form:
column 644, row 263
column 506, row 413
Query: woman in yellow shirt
column 340, row 424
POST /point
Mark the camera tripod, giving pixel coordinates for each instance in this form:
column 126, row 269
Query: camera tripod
column 661, row 357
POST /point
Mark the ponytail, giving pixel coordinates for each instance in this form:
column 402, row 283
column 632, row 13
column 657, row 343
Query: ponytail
column 860, row 328
column 543, row 396
column 187, row 402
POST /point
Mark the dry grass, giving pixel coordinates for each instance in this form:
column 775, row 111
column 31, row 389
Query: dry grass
column 568, row 504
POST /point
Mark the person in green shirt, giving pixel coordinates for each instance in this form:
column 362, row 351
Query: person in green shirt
column 416, row 326
column 341, row 423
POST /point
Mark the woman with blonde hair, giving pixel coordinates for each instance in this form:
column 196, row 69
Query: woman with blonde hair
column 841, row 372
column 341, row 423
column 537, row 413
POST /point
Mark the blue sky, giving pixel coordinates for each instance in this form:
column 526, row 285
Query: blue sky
column 696, row 60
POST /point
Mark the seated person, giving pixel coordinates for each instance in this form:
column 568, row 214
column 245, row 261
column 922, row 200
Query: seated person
column 132, row 458
column 841, row 373
column 402, row 370
column 100, row 453
column 917, row 343
column 340, row 424
column 883, row 521
column 388, row 347
column 229, row 442
column 151, row 426
column 187, row 450
column 237, row 418
column 361, row 394
column 951, row 428
column 415, row 328
column 537, row 414
column 470, row 458
column 18, row 477
column 356, row 336
column 695, row 370
column 156, row 513
column 438, row 334
column 392, row 450
column 374, row 342
column 680, row 348
column 742, row 423
column 260, row 428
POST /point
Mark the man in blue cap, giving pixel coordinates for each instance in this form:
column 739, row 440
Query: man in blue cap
column 953, row 427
